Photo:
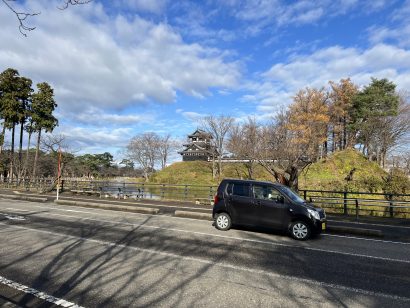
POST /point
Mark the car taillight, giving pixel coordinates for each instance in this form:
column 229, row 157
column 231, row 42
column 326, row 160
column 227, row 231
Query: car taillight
column 216, row 199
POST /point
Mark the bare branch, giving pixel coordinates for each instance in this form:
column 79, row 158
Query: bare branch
column 67, row 3
column 21, row 17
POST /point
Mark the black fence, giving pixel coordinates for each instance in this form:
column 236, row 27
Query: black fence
column 337, row 202
column 360, row 203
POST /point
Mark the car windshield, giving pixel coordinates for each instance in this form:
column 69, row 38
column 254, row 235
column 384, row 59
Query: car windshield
column 291, row 194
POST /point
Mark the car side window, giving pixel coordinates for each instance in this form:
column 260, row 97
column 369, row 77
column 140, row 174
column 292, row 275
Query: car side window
column 239, row 189
column 266, row 193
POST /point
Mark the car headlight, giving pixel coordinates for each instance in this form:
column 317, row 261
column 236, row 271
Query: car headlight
column 314, row 214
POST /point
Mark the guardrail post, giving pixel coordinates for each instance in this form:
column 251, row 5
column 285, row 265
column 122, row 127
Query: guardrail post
column 304, row 194
column 357, row 209
column 345, row 203
column 186, row 192
column 211, row 194
column 163, row 191
column 391, row 210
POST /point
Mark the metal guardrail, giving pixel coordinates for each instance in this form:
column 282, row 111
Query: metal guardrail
column 360, row 203
column 341, row 202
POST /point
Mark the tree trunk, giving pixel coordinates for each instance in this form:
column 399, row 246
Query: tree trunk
column 344, row 132
column 36, row 156
column 219, row 165
column 293, row 181
column 12, row 152
column 249, row 167
column 20, row 169
column 213, row 168
column 27, row 155
column 2, row 137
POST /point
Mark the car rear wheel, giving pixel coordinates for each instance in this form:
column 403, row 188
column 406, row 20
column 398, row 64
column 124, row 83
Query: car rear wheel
column 300, row 230
column 223, row 221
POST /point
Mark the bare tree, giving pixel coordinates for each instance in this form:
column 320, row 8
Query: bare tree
column 389, row 133
column 241, row 143
column 22, row 17
column 165, row 145
column 143, row 149
column 280, row 153
column 219, row 128
column 56, row 145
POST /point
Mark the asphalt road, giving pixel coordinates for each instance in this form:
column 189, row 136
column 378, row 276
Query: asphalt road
column 97, row 258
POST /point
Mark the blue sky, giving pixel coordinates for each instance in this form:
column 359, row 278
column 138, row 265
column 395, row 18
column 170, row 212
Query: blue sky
column 123, row 67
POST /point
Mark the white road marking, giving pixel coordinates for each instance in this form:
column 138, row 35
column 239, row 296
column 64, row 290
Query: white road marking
column 233, row 238
column 13, row 217
column 365, row 223
column 220, row 265
column 366, row 239
column 184, row 218
column 136, row 203
column 38, row 294
column 17, row 210
column 96, row 211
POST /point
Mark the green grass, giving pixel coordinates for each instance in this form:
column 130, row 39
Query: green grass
column 327, row 174
column 200, row 173
column 330, row 173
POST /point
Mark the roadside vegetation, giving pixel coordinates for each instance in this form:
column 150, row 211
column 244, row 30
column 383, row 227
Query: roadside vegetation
column 331, row 173
column 337, row 138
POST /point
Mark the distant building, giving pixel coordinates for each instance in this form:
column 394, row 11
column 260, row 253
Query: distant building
column 199, row 147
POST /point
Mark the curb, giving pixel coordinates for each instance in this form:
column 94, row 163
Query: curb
column 194, row 215
column 356, row 231
column 23, row 197
column 135, row 209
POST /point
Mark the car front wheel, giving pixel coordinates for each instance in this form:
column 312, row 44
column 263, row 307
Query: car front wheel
column 300, row 230
column 223, row 221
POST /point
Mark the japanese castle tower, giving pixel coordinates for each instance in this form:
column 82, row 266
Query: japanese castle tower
column 199, row 147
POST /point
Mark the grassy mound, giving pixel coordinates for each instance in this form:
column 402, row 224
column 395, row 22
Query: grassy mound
column 330, row 173
column 200, row 173
column 327, row 174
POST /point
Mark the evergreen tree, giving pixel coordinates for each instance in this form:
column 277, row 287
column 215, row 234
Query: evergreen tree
column 373, row 103
column 23, row 113
column 9, row 89
column 43, row 105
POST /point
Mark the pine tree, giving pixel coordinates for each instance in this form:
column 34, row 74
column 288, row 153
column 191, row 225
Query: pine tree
column 43, row 105
column 9, row 88
column 375, row 101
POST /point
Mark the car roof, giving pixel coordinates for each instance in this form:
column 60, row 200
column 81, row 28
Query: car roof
column 251, row 182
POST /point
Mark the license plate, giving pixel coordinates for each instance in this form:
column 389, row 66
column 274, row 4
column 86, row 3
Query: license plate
column 324, row 226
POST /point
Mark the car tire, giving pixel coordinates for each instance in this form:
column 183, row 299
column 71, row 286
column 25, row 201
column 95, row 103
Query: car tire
column 300, row 230
column 223, row 221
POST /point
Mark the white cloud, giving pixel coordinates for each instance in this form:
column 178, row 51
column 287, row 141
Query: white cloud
column 190, row 115
column 96, row 140
column 97, row 117
column 398, row 33
column 150, row 6
column 283, row 80
column 95, row 60
column 267, row 13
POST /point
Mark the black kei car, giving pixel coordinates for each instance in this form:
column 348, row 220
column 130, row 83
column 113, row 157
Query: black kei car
column 267, row 204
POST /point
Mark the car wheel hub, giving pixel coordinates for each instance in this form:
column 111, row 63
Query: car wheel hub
column 222, row 221
column 300, row 230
